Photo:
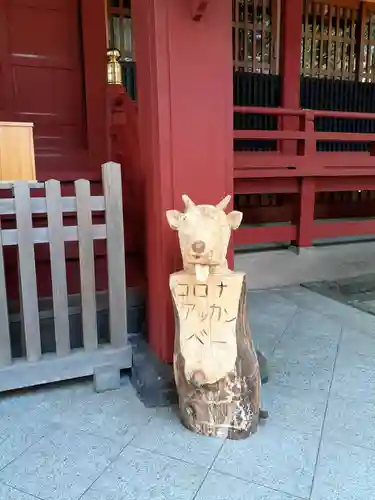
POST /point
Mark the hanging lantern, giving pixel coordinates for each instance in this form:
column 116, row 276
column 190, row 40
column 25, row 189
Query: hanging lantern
column 114, row 73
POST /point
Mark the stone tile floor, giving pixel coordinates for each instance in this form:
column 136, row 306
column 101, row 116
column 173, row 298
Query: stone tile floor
column 69, row 443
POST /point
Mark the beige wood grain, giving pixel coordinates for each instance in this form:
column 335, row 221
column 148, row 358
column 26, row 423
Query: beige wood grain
column 39, row 205
column 27, row 271
column 115, row 253
column 207, row 323
column 86, row 265
column 17, row 157
column 58, row 267
column 41, row 235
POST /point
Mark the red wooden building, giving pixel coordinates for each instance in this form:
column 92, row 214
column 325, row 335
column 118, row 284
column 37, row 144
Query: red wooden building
column 269, row 100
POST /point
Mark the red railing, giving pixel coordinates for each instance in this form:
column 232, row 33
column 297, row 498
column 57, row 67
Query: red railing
column 297, row 167
column 305, row 161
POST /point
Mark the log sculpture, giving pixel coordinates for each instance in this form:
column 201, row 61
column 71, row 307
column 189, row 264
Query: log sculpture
column 215, row 364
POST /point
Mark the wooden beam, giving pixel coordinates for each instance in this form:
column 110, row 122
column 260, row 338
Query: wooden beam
column 349, row 4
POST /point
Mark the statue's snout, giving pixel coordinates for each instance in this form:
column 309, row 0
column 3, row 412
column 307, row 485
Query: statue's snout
column 198, row 378
column 198, row 246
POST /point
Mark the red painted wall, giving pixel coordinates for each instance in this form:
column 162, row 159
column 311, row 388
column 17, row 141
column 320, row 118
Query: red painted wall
column 53, row 73
column 185, row 100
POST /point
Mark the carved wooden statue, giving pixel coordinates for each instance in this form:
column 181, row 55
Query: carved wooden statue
column 215, row 364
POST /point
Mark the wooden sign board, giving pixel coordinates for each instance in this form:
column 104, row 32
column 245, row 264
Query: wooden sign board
column 17, row 158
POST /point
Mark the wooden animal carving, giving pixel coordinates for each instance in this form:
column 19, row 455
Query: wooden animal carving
column 215, row 365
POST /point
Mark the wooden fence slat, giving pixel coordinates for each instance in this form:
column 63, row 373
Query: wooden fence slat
column 27, row 272
column 5, row 351
column 115, row 253
column 40, row 234
column 58, row 267
column 32, row 184
column 86, row 265
column 39, row 205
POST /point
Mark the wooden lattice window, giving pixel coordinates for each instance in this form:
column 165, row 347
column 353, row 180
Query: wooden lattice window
column 367, row 54
column 256, row 35
column 329, row 41
column 120, row 28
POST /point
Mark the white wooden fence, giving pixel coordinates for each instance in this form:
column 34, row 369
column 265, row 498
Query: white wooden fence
column 38, row 368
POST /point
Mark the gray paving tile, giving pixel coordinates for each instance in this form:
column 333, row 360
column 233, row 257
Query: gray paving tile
column 275, row 457
column 61, row 466
column 356, row 342
column 268, row 303
column 311, row 325
column 344, row 473
column 44, row 402
column 296, row 376
column 142, row 475
column 165, row 434
column 356, row 349
column 26, row 416
column 359, row 361
column 347, row 316
column 18, row 434
column 306, row 299
column 351, row 422
column 8, row 493
column 222, row 487
column 307, row 350
column 118, row 414
column 353, row 383
column 296, row 409
column 304, row 362
column 266, row 345
column 269, row 315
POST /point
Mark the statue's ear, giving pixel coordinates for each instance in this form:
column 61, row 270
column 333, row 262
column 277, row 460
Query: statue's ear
column 234, row 219
column 174, row 217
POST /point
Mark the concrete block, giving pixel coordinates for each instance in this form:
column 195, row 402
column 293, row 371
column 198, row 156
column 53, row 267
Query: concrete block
column 106, row 378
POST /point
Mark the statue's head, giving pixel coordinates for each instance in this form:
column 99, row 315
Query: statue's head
column 204, row 233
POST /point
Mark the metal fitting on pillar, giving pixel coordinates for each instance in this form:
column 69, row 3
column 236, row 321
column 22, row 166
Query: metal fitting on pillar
column 114, row 72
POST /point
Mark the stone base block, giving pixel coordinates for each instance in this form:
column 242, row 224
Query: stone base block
column 106, row 378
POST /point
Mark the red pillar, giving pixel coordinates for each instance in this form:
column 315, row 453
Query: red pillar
column 292, row 11
column 291, row 17
column 185, row 100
